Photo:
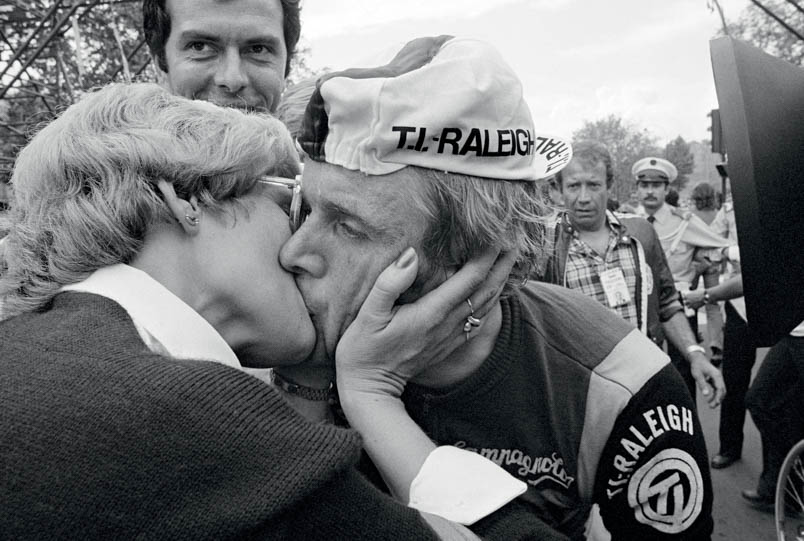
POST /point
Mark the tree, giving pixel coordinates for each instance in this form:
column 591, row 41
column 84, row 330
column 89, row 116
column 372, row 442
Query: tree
column 626, row 142
column 73, row 47
column 760, row 29
column 300, row 69
column 678, row 153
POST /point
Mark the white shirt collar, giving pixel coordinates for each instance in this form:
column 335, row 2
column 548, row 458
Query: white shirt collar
column 166, row 324
column 662, row 213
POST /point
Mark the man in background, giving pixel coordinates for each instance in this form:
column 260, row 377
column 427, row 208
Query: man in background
column 617, row 259
column 739, row 348
column 233, row 53
column 681, row 234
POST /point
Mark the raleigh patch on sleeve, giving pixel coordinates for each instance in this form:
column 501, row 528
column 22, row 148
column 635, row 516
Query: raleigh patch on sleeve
column 667, row 491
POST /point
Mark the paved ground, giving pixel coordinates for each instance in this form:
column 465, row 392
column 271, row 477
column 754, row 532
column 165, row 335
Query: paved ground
column 733, row 518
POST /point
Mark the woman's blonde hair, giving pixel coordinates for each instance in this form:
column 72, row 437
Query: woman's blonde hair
column 85, row 186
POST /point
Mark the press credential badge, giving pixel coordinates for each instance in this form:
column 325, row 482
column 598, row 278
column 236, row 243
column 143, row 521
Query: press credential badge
column 614, row 286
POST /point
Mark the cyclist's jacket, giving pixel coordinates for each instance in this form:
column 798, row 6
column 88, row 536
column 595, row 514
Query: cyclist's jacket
column 585, row 409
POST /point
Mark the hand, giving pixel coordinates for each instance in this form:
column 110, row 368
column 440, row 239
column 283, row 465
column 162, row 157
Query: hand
column 708, row 378
column 701, row 266
column 695, row 298
column 387, row 345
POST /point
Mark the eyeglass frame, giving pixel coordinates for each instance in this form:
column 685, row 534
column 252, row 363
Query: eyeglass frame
column 294, row 184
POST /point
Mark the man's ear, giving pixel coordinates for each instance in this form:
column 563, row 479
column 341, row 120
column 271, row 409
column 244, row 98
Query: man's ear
column 185, row 211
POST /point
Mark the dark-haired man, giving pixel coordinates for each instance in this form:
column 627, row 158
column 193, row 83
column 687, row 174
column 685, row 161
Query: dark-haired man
column 233, row 53
column 618, row 260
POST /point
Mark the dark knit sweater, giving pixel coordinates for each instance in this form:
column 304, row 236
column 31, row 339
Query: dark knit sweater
column 102, row 439
column 585, row 409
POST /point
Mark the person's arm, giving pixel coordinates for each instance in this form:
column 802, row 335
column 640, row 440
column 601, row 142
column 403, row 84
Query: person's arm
column 387, row 345
column 393, row 441
column 653, row 479
column 707, row 376
column 731, row 288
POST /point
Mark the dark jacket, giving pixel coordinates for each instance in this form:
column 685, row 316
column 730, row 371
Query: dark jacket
column 663, row 299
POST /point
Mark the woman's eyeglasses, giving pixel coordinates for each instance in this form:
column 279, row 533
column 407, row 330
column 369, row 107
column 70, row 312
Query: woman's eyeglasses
column 295, row 211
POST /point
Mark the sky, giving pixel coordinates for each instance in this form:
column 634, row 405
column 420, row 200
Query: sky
column 644, row 60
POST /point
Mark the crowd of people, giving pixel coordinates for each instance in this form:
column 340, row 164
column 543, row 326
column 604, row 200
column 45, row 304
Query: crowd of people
column 361, row 321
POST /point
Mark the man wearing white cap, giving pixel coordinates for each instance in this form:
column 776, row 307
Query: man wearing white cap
column 434, row 155
column 682, row 234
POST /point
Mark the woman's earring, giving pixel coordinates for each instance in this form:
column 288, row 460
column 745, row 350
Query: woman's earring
column 192, row 220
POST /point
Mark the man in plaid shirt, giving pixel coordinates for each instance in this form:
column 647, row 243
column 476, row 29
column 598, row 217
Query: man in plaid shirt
column 618, row 260
column 585, row 268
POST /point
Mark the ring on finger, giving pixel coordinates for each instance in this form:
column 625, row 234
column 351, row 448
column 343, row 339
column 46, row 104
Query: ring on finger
column 471, row 323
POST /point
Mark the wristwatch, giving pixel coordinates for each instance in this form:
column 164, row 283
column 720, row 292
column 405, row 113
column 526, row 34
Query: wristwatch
column 706, row 298
column 695, row 347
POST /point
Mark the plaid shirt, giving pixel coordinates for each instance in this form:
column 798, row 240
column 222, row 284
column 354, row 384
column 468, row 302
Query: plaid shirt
column 584, row 267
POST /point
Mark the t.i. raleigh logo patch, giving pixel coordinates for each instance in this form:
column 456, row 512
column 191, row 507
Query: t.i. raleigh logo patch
column 667, row 491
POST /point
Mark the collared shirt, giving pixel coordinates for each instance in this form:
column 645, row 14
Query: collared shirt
column 584, row 267
column 681, row 233
column 169, row 326
column 164, row 322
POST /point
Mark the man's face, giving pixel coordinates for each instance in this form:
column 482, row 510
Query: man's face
column 357, row 225
column 585, row 193
column 651, row 189
column 231, row 53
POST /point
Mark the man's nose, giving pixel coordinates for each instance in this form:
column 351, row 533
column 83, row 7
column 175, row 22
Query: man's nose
column 301, row 255
column 230, row 74
column 584, row 194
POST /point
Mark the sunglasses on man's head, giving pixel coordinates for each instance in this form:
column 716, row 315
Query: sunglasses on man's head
column 294, row 184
